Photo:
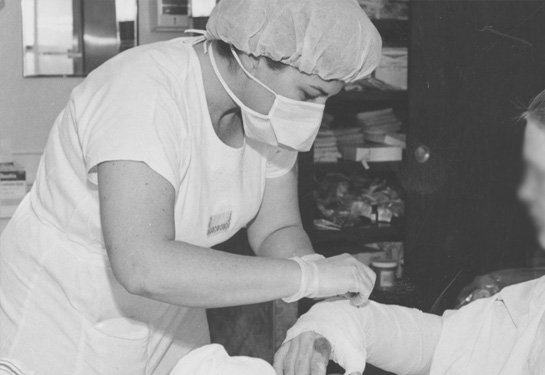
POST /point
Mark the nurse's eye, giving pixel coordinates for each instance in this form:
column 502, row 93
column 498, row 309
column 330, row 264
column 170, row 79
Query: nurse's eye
column 309, row 97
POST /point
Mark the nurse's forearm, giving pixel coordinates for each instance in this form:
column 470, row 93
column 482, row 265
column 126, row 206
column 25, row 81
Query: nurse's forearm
column 286, row 242
column 186, row 275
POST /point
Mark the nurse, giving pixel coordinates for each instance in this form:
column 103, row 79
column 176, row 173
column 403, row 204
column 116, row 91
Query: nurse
column 162, row 153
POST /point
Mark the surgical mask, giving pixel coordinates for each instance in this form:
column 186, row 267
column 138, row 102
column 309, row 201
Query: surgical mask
column 290, row 123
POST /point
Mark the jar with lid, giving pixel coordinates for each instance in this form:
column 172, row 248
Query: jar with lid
column 386, row 273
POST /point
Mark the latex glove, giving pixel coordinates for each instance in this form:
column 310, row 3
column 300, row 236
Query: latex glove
column 306, row 354
column 328, row 277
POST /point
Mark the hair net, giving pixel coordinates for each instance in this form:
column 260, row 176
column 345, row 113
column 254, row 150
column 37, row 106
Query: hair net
column 331, row 38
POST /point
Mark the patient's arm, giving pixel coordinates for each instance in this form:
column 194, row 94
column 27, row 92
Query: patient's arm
column 395, row 338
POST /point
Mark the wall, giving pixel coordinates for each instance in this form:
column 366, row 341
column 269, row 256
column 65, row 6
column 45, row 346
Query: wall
column 29, row 106
column 145, row 34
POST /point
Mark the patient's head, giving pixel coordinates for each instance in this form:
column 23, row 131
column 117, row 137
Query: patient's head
column 532, row 189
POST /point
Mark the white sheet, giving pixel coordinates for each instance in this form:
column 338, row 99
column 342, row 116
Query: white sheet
column 213, row 360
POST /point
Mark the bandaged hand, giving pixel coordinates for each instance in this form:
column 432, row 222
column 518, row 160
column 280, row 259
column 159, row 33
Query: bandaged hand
column 307, row 354
column 328, row 277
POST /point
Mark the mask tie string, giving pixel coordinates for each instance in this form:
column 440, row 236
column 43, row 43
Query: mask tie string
column 201, row 38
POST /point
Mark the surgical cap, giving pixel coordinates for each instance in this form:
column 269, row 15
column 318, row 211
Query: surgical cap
column 333, row 39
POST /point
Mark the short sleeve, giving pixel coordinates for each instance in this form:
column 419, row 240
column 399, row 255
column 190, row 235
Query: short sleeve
column 127, row 114
column 280, row 162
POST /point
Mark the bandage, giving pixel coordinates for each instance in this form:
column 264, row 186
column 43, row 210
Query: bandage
column 395, row 338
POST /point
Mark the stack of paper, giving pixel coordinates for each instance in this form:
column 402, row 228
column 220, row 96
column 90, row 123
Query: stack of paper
column 393, row 67
column 390, row 139
column 386, row 9
column 349, row 136
column 378, row 122
column 325, row 147
column 382, row 140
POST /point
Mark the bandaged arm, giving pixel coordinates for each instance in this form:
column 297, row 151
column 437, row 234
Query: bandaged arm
column 397, row 339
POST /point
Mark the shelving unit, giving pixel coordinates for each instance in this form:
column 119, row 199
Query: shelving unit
column 325, row 241
column 355, row 239
column 395, row 33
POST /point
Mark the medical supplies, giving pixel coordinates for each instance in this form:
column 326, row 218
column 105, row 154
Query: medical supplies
column 12, row 181
column 386, row 273
column 12, row 188
column 357, row 200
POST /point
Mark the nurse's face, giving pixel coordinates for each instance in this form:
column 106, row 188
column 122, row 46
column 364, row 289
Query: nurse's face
column 532, row 189
column 288, row 82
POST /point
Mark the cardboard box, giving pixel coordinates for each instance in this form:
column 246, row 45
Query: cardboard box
column 393, row 67
column 372, row 153
column 13, row 188
column 392, row 139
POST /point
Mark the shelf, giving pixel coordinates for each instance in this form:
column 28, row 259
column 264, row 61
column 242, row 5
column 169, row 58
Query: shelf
column 391, row 23
column 393, row 32
column 364, row 234
column 368, row 95
column 407, row 292
column 349, row 167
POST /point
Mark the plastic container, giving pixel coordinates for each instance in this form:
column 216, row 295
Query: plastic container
column 386, row 273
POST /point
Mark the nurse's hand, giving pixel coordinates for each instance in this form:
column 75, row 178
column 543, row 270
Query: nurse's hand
column 344, row 275
column 306, row 354
column 340, row 275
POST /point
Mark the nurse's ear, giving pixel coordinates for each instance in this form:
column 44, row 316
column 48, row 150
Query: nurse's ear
column 251, row 62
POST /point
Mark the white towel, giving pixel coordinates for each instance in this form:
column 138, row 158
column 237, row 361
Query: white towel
column 10, row 366
column 213, row 360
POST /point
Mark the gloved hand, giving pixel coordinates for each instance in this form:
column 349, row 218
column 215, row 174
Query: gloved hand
column 339, row 275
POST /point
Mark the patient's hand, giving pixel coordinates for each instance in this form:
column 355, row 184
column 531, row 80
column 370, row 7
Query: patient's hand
column 307, row 354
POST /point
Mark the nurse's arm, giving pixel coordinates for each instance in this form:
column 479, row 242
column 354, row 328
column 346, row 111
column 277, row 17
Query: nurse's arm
column 137, row 215
column 277, row 230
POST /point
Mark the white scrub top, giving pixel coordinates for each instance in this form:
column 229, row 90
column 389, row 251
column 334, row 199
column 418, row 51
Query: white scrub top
column 500, row 335
column 61, row 309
